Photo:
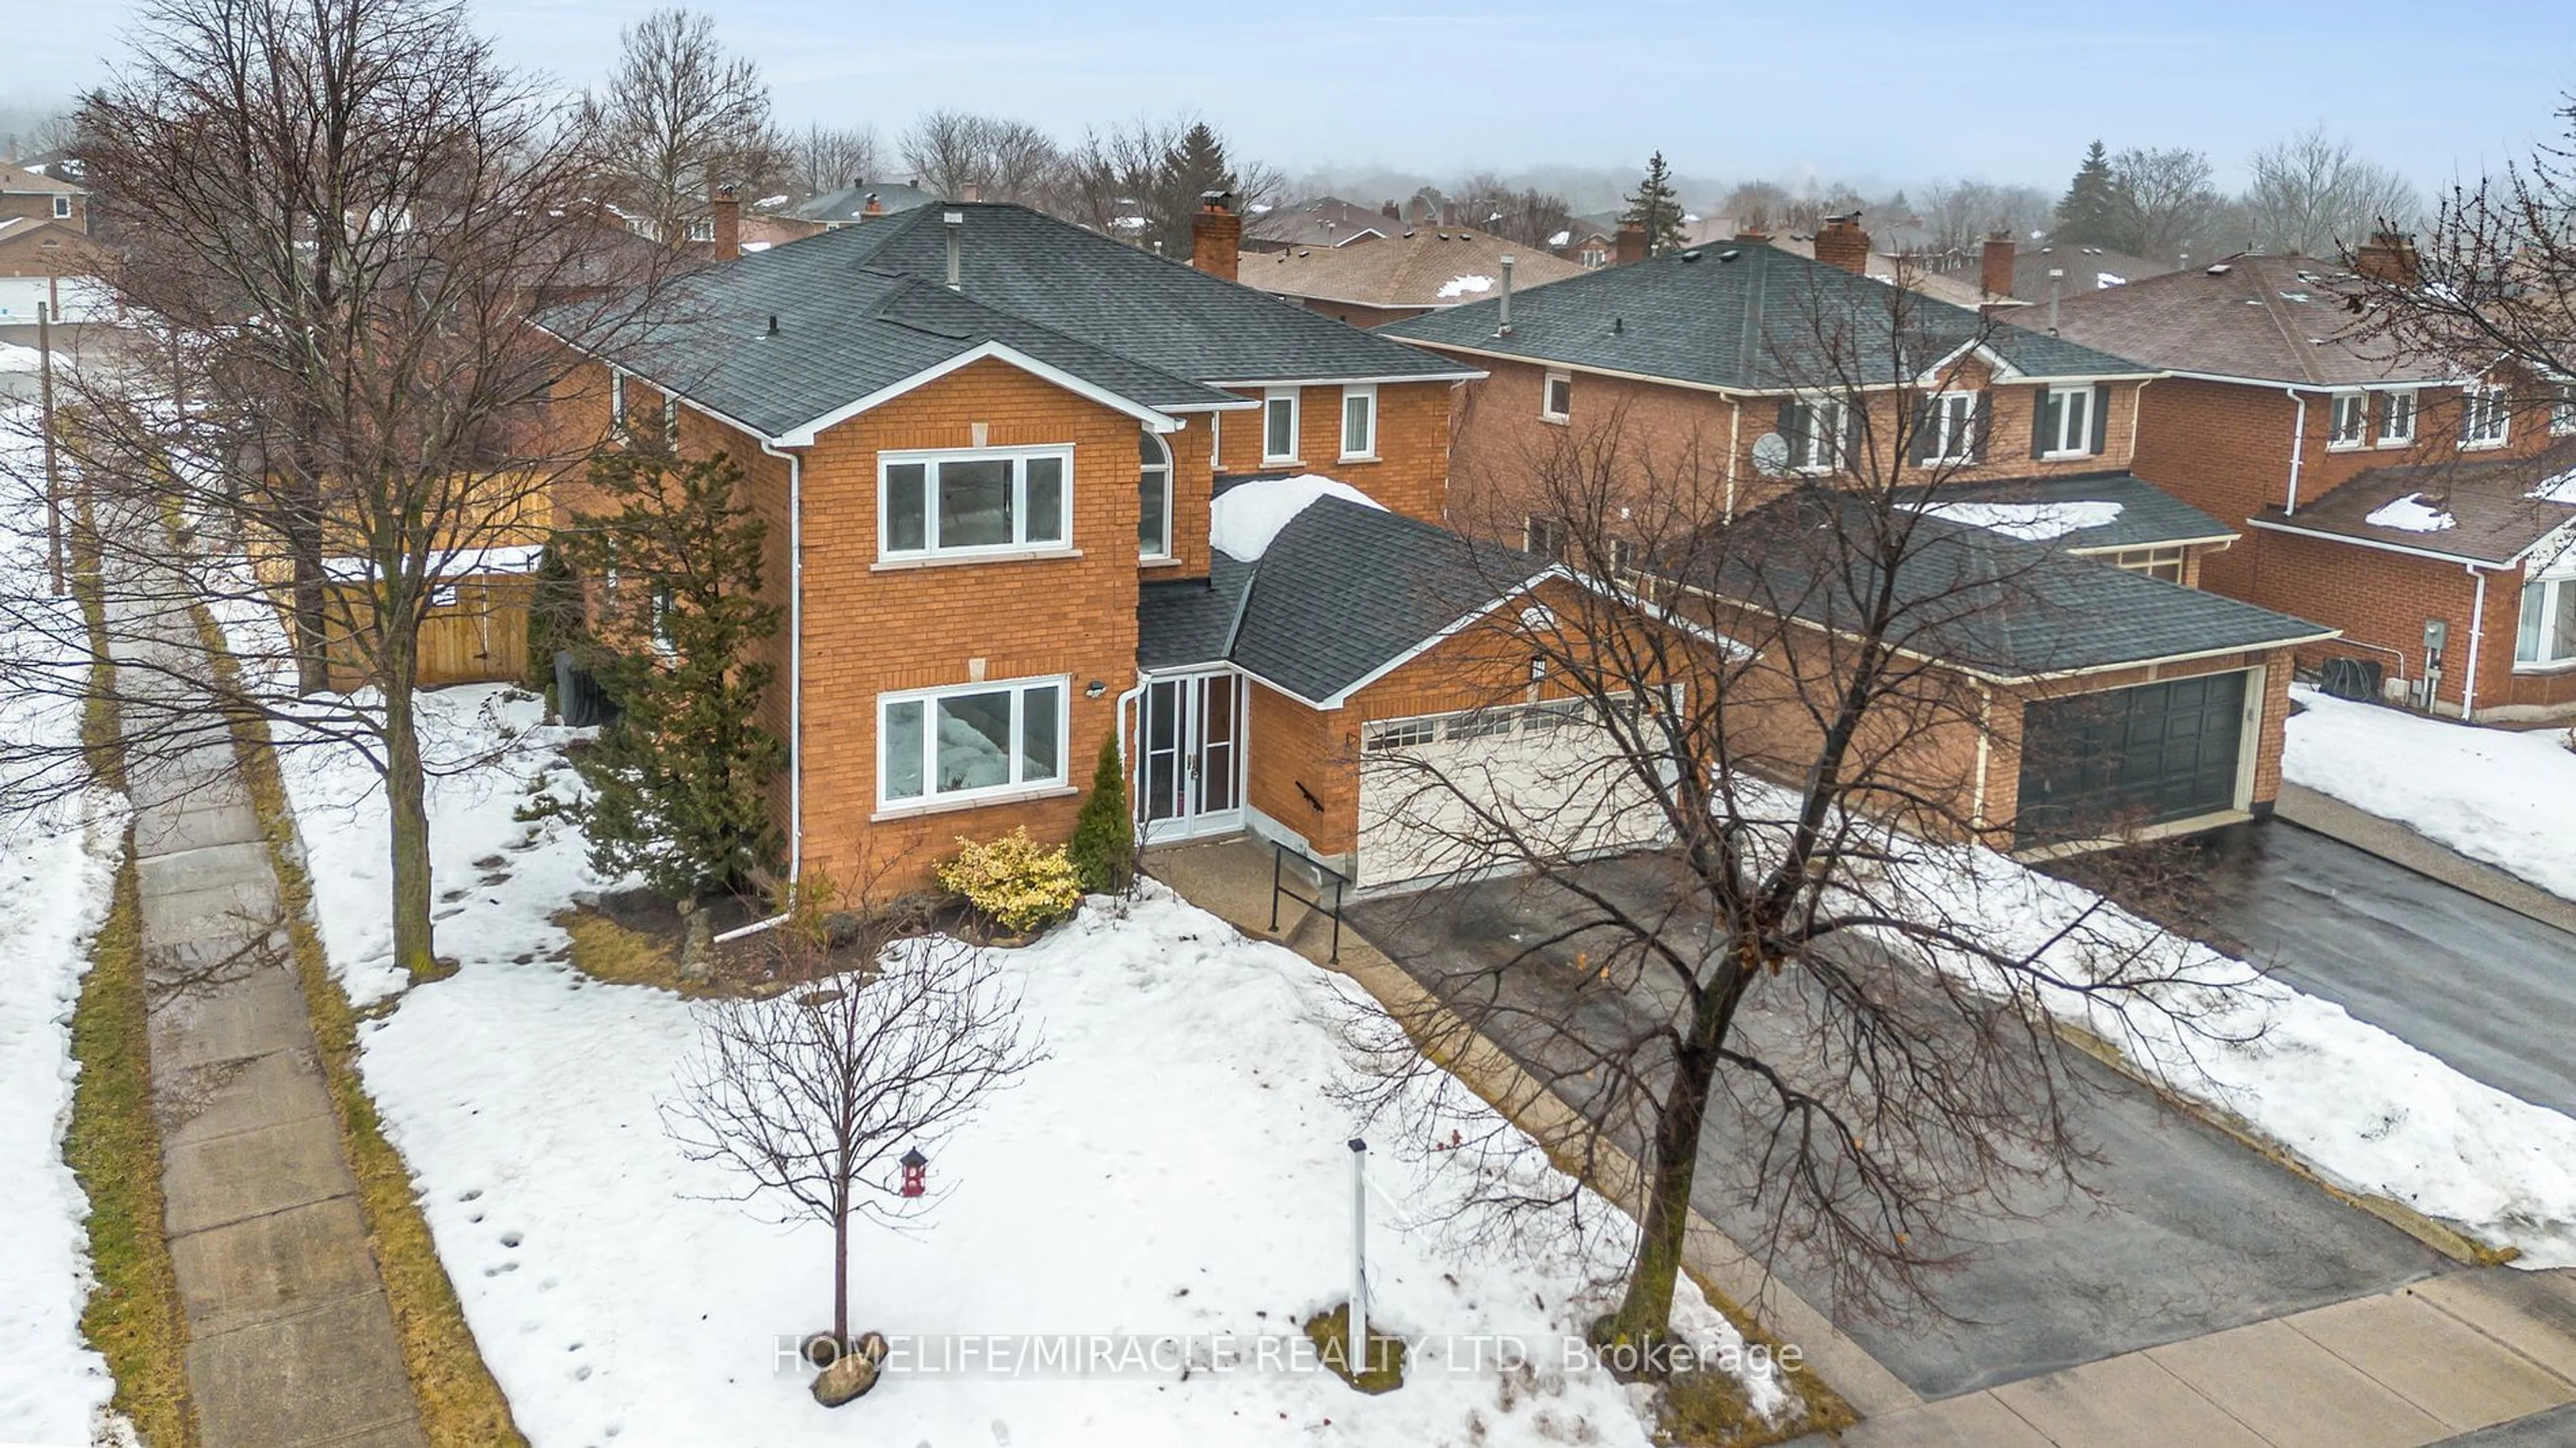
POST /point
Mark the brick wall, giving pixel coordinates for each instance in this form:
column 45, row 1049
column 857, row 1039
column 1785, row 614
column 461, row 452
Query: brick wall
column 1411, row 472
column 40, row 205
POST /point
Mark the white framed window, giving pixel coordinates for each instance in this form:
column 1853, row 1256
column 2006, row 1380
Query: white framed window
column 1950, row 428
column 2547, row 634
column 2397, row 417
column 1544, row 537
column 978, row 501
column 1623, row 557
column 616, row 397
column 1153, row 497
column 2350, row 422
column 1279, row 425
column 671, row 416
column 702, row 228
column 1359, row 423
column 2562, row 410
column 2164, row 563
column 1595, row 256
column 2486, row 418
column 1556, row 397
column 62, row 208
column 970, row 741
column 2066, row 422
column 1815, row 433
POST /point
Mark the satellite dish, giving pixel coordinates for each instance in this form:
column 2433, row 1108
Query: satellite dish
column 1771, row 455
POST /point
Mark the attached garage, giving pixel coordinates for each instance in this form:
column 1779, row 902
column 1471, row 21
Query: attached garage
column 2098, row 764
column 1436, row 789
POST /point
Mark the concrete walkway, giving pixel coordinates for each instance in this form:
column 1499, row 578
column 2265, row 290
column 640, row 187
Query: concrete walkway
column 2397, row 844
column 290, row 1340
column 2421, row 1365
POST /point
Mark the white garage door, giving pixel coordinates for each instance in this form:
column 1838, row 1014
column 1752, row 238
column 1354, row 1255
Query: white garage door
column 1437, row 790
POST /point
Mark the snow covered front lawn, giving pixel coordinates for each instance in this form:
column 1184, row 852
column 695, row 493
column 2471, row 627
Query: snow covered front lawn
column 57, row 870
column 1171, row 1182
column 2492, row 794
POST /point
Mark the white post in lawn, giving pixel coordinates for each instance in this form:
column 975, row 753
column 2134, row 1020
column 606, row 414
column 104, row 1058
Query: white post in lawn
column 1359, row 1256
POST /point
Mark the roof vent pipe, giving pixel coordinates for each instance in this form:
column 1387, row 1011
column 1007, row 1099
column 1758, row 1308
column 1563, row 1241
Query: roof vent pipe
column 2056, row 274
column 956, row 221
column 1504, row 329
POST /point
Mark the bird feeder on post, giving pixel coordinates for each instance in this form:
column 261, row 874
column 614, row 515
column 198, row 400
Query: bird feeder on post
column 916, row 1170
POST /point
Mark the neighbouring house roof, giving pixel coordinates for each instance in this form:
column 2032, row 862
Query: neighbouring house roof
column 1321, row 221
column 18, row 180
column 2087, row 268
column 1428, row 268
column 1977, row 600
column 2086, row 513
column 850, row 203
column 1886, row 264
column 2487, row 510
column 1745, row 317
column 1343, row 591
column 2266, row 318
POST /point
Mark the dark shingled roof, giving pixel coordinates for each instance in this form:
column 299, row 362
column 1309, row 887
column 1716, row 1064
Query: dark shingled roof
column 1977, row 599
column 2149, row 516
column 2495, row 518
column 2273, row 318
column 1343, row 590
column 1747, row 317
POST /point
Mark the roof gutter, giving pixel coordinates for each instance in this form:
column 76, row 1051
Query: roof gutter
column 2384, row 547
column 1730, row 389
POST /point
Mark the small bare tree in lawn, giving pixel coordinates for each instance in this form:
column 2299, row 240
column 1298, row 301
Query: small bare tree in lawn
column 1782, row 665
column 811, row 1096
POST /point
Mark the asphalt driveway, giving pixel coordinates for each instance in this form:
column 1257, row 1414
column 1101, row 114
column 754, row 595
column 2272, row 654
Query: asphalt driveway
column 2182, row 1232
column 2487, row 990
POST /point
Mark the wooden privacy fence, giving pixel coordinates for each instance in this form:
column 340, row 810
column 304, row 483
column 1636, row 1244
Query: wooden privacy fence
column 476, row 632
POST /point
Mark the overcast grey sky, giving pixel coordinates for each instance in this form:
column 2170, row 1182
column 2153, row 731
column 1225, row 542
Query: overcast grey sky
column 1875, row 92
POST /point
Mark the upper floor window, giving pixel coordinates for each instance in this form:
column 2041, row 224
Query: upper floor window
column 989, row 500
column 671, row 417
column 702, row 228
column 1950, row 431
column 2548, row 631
column 1595, row 256
column 1279, row 425
column 1359, row 423
column 616, row 397
column 1813, row 428
column 2397, row 417
column 1556, row 397
column 1153, row 497
column 2562, row 410
column 62, row 208
column 2350, row 426
column 2069, row 423
column 970, row 741
column 2485, row 417
column 1544, row 537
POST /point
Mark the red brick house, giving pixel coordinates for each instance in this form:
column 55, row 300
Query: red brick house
column 1717, row 355
column 1426, row 269
column 1027, row 488
column 2420, row 513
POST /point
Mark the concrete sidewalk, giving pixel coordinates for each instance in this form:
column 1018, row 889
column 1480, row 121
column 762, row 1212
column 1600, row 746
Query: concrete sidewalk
column 2421, row 1365
column 290, row 1340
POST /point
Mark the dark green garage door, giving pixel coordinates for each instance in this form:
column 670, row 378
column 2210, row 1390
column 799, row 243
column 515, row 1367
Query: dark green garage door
column 2097, row 764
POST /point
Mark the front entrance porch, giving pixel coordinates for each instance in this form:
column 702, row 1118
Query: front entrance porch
column 1189, row 777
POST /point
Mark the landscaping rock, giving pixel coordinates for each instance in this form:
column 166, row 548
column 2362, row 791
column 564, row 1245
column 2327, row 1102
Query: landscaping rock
column 852, row 1375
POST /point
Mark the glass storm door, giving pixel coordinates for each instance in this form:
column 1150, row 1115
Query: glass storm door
column 1191, row 779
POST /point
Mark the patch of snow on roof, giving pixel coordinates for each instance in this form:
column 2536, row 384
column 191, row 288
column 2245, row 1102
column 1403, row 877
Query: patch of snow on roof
column 2030, row 522
column 1562, row 238
column 2560, row 489
column 1461, row 286
column 756, row 246
column 778, row 200
column 1245, row 517
column 2104, row 281
column 2411, row 514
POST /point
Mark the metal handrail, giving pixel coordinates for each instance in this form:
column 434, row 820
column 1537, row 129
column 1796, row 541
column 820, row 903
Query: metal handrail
column 1279, row 853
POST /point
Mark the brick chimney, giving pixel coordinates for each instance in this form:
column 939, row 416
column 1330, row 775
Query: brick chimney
column 873, row 209
column 1628, row 245
column 1842, row 243
column 1995, row 272
column 1391, row 211
column 2389, row 256
column 727, row 209
column 1752, row 235
column 1448, row 213
column 1216, row 235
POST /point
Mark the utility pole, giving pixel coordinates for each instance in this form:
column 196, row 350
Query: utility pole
column 53, row 476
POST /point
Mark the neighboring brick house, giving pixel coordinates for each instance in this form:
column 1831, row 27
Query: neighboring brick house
column 39, row 197
column 996, row 455
column 1323, row 221
column 1388, row 279
column 1715, row 356
column 2408, row 507
column 51, row 263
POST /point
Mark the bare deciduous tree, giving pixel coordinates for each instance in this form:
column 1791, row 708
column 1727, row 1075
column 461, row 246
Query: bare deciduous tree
column 957, row 152
column 2312, row 194
column 1819, row 1002
column 678, row 114
column 827, row 158
column 810, row 1096
column 1961, row 214
column 2162, row 202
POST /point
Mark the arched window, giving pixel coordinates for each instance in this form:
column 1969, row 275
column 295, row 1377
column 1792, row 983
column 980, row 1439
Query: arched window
column 1153, row 497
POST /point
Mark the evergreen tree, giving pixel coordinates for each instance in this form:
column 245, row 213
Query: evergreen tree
column 1193, row 166
column 1655, row 210
column 2089, row 213
column 1103, row 849
column 678, row 780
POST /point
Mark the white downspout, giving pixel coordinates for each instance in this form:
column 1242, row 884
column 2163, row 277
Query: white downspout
column 2477, row 631
column 795, row 658
column 2298, row 449
column 1734, row 431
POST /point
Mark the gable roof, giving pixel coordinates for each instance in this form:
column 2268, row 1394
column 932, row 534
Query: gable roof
column 2264, row 318
column 1974, row 599
column 2146, row 516
column 1745, row 318
column 1318, row 221
column 1422, row 268
column 2500, row 508
column 18, row 180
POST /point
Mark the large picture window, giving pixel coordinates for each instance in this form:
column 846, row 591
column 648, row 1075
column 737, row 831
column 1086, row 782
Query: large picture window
column 2548, row 631
column 947, row 745
column 1153, row 497
column 991, row 500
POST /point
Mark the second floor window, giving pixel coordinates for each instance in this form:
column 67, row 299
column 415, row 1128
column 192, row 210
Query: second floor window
column 2351, row 423
column 1813, row 428
column 2485, row 417
column 2562, row 410
column 1950, row 431
column 2068, row 423
column 1556, row 397
column 62, row 208
column 990, row 500
column 1544, row 537
column 1279, row 425
column 2396, row 418
column 1359, row 422
column 1153, row 497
